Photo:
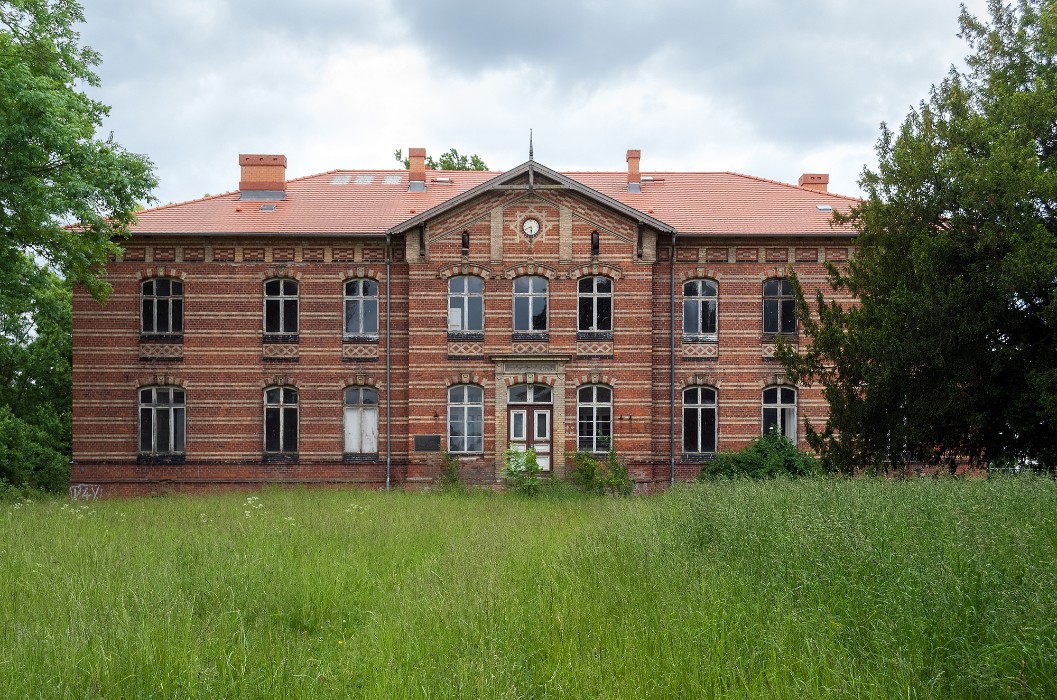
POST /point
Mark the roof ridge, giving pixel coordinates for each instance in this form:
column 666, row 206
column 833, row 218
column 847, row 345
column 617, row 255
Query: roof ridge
column 789, row 185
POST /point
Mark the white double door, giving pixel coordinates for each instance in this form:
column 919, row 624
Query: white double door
column 530, row 428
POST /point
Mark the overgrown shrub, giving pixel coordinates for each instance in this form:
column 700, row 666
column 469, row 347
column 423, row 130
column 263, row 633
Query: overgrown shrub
column 600, row 476
column 523, row 472
column 30, row 456
column 764, row 457
column 449, row 472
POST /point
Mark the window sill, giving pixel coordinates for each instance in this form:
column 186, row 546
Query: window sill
column 150, row 458
column 531, row 335
column 280, row 458
column 353, row 457
column 465, row 335
column 594, row 335
column 161, row 337
column 700, row 337
column 791, row 338
column 281, row 338
column 699, row 456
column 359, row 338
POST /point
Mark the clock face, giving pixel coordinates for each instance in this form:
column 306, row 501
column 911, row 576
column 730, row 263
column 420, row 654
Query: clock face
column 531, row 227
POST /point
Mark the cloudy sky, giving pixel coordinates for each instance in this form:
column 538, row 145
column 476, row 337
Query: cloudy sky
column 772, row 88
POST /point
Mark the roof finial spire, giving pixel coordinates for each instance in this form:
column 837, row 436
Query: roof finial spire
column 530, row 143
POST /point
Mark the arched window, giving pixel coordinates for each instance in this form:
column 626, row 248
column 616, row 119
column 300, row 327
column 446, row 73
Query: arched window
column 280, row 306
column 465, row 418
column 595, row 304
column 699, row 420
column 594, row 418
column 779, row 410
column 280, row 420
column 700, row 308
column 162, row 418
column 162, row 306
column 530, row 304
column 466, row 304
column 361, row 307
column 779, row 307
column 361, row 420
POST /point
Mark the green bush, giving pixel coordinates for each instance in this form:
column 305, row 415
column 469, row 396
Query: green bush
column 449, row 472
column 764, row 457
column 523, row 472
column 598, row 476
column 30, row 456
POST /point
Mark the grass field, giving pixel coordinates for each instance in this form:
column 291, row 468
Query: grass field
column 814, row 588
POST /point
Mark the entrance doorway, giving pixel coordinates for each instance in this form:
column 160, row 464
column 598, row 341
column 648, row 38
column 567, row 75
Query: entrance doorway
column 530, row 410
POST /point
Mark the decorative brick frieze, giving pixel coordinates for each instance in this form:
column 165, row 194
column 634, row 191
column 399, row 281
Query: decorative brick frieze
column 700, row 350
column 465, row 349
column 594, row 349
column 281, row 352
column 161, row 351
column 253, row 254
column 224, row 254
column 192, row 255
column 359, row 351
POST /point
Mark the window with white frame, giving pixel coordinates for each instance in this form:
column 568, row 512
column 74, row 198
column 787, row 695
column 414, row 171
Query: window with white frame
column 595, row 304
column 699, row 420
column 280, row 420
column 280, row 306
column 530, row 304
column 162, row 306
column 361, row 420
column 779, row 411
column 465, row 418
column 594, row 418
column 465, row 304
column 361, row 307
column 779, row 307
column 162, row 420
column 700, row 308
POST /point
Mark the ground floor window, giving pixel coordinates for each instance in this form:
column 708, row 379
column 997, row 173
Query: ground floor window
column 779, row 411
column 594, row 418
column 361, row 421
column 280, row 420
column 699, row 420
column 466, row 418
column 162, row 418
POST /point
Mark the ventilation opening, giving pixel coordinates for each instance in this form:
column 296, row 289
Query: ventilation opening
column 823, row 207
column 267, row 207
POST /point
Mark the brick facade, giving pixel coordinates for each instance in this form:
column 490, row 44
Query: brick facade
column 223, row 360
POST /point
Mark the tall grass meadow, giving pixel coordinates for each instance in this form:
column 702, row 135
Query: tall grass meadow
column 808, row 588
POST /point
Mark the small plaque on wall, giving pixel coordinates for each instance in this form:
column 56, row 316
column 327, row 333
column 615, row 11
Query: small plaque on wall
column 427, row 443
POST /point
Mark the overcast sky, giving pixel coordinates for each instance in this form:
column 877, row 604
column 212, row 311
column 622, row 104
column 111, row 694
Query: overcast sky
column 772, row 88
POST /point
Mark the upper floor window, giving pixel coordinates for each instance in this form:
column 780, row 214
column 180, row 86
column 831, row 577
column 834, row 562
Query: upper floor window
column 465, row 303
column 280, row 306
column 361, row 420
column 280, row 420
column 530, row 303
column 700, row 307
column 163, row 306
column 361, row 307
column 594, row 418
column 161, row 420
column 466, row 418
column 779, row 307
column 595, row 304
column 779, row 410
column 699, row 419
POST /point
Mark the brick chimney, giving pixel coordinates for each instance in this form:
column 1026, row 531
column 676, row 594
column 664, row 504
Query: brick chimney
column 263, row 176
column 634, row 180
column 416, row 174
column 815, row 181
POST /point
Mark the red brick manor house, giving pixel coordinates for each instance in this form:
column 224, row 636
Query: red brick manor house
column 348, row 327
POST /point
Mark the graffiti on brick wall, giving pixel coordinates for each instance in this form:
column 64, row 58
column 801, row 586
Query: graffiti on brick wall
column 85, row 492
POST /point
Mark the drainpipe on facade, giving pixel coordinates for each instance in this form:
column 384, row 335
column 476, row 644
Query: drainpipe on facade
column 388, row 362
column 671, row 316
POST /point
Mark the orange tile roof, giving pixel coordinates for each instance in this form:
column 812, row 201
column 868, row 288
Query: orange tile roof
column 334, row 203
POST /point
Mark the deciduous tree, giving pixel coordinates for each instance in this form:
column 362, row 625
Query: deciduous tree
column 950, row 352
column 449, row 160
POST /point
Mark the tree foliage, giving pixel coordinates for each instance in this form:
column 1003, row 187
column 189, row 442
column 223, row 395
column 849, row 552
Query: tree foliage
column 765, row 457
column 950, row 352
column 35, row 427
column 64, row 193
column 450, row 160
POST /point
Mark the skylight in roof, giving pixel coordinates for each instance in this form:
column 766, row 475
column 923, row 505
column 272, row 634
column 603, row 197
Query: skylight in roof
column 823, row 207
column 364, row 179
column 340, row 179
column 391, row 180
column 267, row 207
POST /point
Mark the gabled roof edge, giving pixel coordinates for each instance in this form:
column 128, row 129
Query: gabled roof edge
column 576, row 186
